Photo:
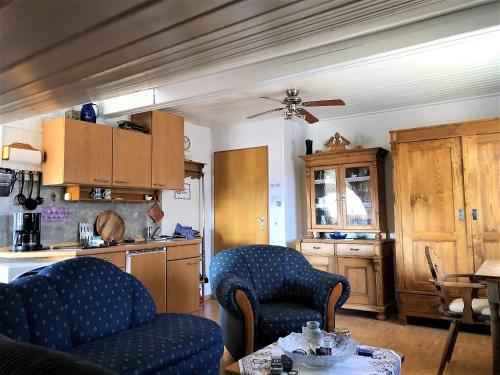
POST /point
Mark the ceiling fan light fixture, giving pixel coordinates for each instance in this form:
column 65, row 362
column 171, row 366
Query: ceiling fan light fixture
column 292, row 102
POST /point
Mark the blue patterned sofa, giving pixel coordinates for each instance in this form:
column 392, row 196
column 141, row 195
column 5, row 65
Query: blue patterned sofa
column 266, row 292
column 92, row 310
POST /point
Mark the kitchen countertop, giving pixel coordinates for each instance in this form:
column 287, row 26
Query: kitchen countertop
column 69, row 250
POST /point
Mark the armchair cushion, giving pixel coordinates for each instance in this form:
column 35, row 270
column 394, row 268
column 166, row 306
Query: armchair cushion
column 480, row 306
column 226, row 285
column 278, row 319
column 312, row 287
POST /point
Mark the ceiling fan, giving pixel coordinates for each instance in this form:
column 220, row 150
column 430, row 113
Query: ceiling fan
column 293, row 106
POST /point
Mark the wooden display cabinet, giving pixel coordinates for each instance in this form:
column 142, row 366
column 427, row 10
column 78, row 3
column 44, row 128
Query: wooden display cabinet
column 346, row 193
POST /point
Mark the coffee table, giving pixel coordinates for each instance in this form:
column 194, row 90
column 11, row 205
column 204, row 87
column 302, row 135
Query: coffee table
column 384, row 362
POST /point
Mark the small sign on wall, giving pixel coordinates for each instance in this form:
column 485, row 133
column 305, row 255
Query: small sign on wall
column 183, row 194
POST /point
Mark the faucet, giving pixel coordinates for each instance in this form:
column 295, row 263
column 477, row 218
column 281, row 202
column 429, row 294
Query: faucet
column 150, row 233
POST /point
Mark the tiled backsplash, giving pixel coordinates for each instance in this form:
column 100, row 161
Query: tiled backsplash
column 135, row 216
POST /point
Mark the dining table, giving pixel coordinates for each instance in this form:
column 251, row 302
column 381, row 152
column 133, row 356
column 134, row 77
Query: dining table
column 490, row 273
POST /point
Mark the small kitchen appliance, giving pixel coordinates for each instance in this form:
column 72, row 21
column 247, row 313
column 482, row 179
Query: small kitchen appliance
column 26, row 231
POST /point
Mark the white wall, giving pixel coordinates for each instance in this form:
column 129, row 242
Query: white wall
column 372, row 130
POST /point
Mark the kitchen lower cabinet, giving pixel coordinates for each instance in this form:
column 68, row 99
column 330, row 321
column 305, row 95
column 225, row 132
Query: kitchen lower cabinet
column 183, row 283
column 116, row 258
column 367, row 264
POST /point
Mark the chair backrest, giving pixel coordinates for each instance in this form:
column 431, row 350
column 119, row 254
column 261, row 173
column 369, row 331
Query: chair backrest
column 265, row 267
column 438, row 274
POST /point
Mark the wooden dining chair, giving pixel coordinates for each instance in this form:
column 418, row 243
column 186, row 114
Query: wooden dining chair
column 469, row 309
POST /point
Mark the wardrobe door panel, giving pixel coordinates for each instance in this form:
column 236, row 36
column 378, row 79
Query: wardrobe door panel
column 482, row 181
column 432, row 200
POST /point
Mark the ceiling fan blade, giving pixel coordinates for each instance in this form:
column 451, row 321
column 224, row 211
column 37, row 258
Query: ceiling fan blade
column 263, row 113
column 308, row 116
column 323, row 103
column 274, row 100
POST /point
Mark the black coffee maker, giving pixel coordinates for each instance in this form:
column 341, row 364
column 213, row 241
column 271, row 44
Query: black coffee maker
column 26, row 231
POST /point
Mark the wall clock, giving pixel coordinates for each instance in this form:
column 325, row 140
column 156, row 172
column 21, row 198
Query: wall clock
column 187, row 143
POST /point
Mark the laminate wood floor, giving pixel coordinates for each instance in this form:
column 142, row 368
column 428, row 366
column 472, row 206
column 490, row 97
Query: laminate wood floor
column 421, row 344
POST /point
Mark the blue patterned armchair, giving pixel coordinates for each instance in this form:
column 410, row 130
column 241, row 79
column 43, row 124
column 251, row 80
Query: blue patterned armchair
column 266, row 292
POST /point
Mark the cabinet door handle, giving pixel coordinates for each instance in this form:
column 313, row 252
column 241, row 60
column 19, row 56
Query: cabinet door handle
column 461, row 214
column 474, row 214
column 100, row 180
column 193, row 263
column 316, row 247
column 160, row 184
column 354, row 249
column 121, row 182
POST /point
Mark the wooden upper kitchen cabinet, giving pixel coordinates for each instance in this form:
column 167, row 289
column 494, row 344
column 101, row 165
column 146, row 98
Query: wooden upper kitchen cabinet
column 76, row 152
column 131, row 159
column 167, row 132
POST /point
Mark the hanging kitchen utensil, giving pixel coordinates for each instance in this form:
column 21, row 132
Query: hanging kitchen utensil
column 20, row 198
column 30, row 204
column 156, row 213
column 13, row 181
column 110, row 226
column 39, row 199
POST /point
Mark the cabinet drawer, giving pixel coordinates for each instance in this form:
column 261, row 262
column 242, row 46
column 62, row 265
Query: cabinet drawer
column 354, row 249
column 118, row 259
column 317, row 248
column 183, row 252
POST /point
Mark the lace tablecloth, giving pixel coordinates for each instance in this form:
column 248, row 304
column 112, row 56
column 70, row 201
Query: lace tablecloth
column 383, row 362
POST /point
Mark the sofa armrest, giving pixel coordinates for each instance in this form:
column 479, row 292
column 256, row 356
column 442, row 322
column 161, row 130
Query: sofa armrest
column 313, row 288
column 225, row 286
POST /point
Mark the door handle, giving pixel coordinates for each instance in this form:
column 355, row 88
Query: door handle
column 474, row 214
column 461, row 214
column 261, row 221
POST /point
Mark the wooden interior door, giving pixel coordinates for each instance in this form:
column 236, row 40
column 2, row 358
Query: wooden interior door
column 432, row 202
column 149, row 268
column 482, row 187
column 183, row 283
column 88, row 157
column 240, row 198
column 361, row 276
column 131, row 159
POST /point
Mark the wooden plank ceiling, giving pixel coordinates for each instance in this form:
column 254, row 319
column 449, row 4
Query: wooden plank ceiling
column 58, row 53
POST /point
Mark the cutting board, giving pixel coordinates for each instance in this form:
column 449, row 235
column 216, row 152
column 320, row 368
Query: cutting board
column 110, row 226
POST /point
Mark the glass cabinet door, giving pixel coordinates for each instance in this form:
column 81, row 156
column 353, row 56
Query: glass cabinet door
column 358, row 196
column 325, row 205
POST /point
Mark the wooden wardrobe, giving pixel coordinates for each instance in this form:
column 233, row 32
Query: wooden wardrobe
column 447, row 196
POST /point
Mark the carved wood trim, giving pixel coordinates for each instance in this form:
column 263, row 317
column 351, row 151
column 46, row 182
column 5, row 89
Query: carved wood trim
column 246, row 308
column 332, row 301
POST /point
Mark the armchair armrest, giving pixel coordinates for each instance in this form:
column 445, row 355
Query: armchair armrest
column 225, row 286
column 314, row 287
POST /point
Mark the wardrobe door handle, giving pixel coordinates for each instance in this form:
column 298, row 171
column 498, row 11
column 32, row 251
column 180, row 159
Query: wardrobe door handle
column 474, row 214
